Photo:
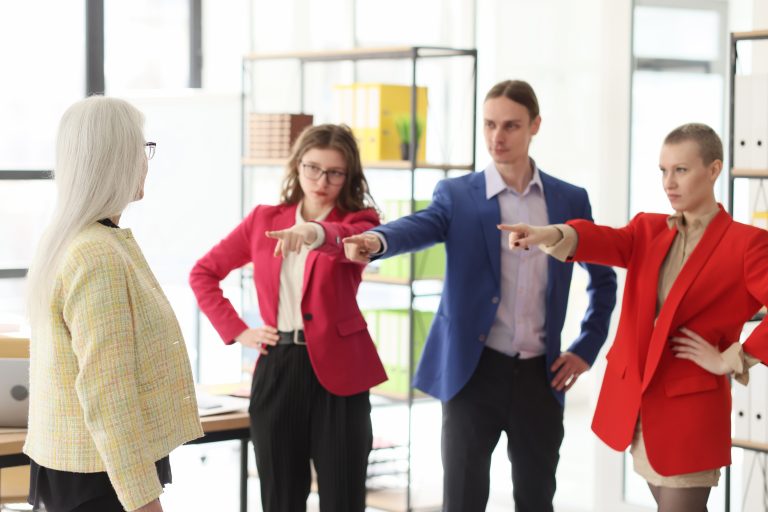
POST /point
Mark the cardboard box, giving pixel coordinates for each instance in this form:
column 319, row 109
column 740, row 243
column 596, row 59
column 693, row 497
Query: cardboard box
column 15, row 484
column 14, row 346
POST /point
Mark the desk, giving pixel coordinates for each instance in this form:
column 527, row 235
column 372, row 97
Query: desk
column 224, row 427
column 744, row 444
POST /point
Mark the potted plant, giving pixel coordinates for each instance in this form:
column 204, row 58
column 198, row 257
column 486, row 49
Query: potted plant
column 403, row 127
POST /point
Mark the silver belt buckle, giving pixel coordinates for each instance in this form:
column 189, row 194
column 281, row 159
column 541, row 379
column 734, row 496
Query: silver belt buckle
column 296, row 338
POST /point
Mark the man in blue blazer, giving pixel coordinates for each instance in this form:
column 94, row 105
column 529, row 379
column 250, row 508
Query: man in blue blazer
column 493, row 354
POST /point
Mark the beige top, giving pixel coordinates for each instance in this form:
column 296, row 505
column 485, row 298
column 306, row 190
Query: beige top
column 292, row 279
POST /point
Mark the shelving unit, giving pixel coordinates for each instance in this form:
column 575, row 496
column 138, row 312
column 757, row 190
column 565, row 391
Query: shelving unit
column 737, row 169
column 412, row 166
column 741, row 168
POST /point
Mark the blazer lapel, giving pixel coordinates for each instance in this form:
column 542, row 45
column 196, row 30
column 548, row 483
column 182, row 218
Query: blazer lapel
column 648, row 290
column 334, row 216
column 661, row 331
column 282, row 220
column 490, row 216
column 557, row 213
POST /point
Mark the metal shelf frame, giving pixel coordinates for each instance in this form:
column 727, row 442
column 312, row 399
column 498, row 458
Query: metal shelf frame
column 734, row 174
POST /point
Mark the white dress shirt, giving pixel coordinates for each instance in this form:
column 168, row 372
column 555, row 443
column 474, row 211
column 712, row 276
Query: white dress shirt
column 519, row 326
column 289, row 316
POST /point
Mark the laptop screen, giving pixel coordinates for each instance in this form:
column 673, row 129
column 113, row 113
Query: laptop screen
column 14, row 392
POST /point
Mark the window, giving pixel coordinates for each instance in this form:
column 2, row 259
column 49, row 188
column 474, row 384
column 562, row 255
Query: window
column 146, row 44
column 678, row 77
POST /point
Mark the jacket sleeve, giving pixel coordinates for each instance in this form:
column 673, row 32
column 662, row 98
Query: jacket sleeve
column 231, row 253
column 602, row 244
column 601, row 290
column 421, row 229
column 335, row 232
column 97, row 311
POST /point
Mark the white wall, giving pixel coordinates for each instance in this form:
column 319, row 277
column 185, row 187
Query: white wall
column 192, row 199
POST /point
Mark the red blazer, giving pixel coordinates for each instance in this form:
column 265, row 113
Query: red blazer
column 685, row 410
column 340, row 348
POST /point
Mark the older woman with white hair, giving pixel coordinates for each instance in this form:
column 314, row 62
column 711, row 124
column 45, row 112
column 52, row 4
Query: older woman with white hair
column 111, row 390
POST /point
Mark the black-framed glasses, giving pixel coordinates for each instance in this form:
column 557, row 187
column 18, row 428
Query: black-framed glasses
column 315, row 172
column 149, row 149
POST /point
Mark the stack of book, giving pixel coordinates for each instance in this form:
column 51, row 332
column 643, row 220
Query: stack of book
column 272, row 135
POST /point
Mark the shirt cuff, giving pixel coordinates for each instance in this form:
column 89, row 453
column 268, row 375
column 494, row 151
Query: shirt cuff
column 566, row 247
column 739, row 362
column 320, row 240
column 383, row 241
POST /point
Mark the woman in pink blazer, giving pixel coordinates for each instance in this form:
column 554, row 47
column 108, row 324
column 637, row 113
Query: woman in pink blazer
column 309, row 397
column 693, row 279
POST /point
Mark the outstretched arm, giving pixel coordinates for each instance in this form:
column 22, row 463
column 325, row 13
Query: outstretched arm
column 411, row 233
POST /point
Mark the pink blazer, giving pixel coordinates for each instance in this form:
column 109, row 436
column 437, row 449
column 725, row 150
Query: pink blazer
column 340, row 348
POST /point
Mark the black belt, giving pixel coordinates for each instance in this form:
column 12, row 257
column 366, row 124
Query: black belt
column 291, row 338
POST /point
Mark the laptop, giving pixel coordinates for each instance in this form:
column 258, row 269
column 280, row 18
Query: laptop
column 14, row 392
column 209, row 404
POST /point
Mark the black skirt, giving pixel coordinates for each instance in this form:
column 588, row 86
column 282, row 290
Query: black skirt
column 63, row 491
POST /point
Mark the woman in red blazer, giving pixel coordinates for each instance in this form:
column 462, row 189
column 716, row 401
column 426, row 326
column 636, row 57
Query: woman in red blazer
column 309, row 397
column 693, row 279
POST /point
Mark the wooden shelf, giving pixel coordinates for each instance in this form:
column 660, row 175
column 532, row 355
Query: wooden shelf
column 754, row 34
column 403, row 165
column 391, row 52
column 749, row 173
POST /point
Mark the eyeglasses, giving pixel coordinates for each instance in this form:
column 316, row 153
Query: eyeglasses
column 149, row 149
column 314, row 173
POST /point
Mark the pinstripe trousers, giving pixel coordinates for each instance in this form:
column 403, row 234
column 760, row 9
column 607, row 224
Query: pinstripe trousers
column 295, row 420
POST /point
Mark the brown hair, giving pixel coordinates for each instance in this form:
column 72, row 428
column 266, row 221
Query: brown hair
column 518, row 91
column 710, row 145
column 354, row 194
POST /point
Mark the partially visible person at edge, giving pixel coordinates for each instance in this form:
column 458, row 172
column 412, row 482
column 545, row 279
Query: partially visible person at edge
column 693, row 279
column 493, row 355
column 309, row 397
column 111, row 390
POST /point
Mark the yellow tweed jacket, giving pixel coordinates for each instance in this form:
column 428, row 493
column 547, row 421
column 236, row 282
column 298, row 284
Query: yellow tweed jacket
column 110, row 381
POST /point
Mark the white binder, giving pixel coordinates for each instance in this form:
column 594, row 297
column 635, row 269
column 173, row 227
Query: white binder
column 742, row 123
column 759, row 109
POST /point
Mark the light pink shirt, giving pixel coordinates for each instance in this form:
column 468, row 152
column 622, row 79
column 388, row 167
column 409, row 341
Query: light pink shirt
column 519, row 326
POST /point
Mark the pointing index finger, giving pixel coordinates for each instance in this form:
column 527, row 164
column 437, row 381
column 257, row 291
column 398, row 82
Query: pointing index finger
column 514, row 228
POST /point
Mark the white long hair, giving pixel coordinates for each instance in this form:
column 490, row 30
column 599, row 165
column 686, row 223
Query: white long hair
column 100, row 166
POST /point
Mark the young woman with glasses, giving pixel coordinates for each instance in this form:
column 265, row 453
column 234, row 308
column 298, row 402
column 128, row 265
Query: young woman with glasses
column 309, row 396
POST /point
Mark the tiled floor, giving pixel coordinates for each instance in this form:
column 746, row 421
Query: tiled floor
column 206, row 476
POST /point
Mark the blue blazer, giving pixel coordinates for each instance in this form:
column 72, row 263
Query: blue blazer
column 462, row 218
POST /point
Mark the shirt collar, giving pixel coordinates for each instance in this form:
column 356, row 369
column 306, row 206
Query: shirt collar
column 680, row 222
column 494, row 183
column 321, row 218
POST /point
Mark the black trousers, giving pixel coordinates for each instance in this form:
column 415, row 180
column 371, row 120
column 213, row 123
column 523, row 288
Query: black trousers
column 511, row 395
column 294, row 419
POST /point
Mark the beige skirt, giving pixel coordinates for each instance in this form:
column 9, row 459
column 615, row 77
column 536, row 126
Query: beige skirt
column 708, row 478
